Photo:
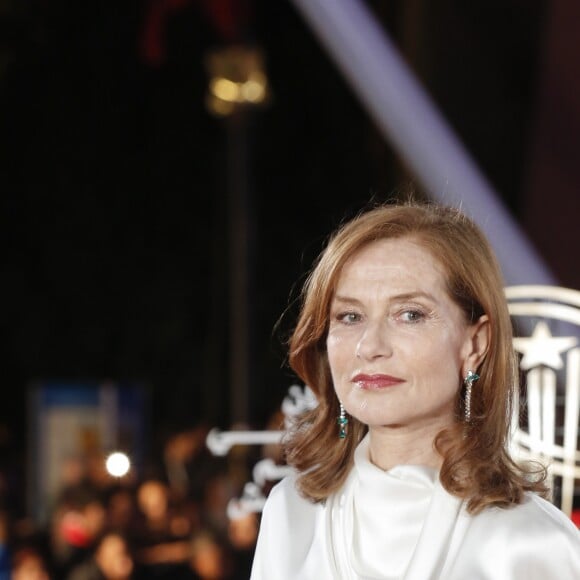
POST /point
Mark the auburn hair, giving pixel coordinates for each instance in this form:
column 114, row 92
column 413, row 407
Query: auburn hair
column 476, row 464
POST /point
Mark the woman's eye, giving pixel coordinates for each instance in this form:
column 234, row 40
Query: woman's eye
column 412, row 316
column 348, row 317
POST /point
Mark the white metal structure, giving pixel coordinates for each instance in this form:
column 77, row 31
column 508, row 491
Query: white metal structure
column 547, row 427
column 298, row 400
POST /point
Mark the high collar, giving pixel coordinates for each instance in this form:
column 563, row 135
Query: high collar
column 389, row 509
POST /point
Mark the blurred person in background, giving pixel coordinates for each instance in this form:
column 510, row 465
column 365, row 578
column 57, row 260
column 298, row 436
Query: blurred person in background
column 29, row 563
column 121, row 509
column 162, row 532
column 5, row 532
column 110, row 559
column 77, row 521
column 189, row 464
column 218, row 491
column 242, row 536
column 210, row 558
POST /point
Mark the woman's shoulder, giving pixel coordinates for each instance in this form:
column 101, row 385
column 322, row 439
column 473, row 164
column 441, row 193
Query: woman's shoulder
column 534, row 529
column 284, row 496
column 532, row 540
column 289, row 527
column 533, row 515
column 546, row 511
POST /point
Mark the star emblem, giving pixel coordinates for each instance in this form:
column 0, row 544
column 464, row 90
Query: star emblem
column 542, row 348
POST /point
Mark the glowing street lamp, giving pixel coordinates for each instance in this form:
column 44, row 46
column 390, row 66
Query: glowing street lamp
column 237, row 79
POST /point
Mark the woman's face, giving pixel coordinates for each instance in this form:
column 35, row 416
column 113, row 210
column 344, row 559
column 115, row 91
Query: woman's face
column 397, row 344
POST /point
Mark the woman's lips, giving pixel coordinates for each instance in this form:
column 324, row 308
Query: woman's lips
column 375, row 381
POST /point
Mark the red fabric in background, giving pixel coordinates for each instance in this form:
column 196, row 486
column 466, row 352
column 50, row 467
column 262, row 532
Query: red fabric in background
column 228, row 18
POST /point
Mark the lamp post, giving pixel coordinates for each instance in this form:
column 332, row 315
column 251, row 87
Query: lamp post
column 237, row 86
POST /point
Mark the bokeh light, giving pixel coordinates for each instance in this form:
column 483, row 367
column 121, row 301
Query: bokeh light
column 118, row 464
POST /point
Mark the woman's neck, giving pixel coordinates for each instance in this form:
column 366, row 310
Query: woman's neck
column 404, row 445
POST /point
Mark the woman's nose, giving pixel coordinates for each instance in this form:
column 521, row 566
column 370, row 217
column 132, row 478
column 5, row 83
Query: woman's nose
column 374, row 341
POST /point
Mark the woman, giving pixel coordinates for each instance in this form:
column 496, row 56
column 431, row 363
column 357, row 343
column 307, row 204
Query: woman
column 402, row 470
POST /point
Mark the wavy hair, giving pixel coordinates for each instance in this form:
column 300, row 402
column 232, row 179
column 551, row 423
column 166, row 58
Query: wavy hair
column 476, row 465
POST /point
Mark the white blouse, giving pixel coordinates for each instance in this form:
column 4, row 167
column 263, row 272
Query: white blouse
column 402, row 524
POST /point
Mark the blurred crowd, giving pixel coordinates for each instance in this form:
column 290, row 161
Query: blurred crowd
column 169, row 523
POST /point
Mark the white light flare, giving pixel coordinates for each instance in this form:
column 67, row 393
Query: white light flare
column 118, row 464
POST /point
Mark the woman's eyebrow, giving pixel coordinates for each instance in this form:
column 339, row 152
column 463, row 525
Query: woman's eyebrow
column 395, row 298
column 412, row 296
column 345, row 299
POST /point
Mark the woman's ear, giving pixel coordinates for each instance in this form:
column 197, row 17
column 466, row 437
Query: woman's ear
column 477, row 343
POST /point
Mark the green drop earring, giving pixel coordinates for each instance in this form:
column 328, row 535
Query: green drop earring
column 342, row 423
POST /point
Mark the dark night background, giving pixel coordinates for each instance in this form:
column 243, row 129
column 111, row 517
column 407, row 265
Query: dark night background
column 114, row 177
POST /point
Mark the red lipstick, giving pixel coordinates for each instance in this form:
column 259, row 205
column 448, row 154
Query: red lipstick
column 376, row 382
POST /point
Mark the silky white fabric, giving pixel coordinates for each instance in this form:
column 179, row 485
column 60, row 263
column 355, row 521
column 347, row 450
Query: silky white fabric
column 403, row 525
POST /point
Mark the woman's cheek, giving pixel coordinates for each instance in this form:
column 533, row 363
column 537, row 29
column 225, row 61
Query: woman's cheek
column 334, row 343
